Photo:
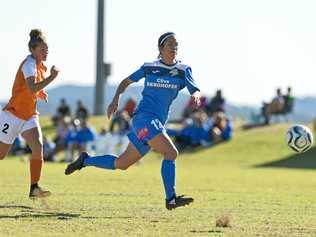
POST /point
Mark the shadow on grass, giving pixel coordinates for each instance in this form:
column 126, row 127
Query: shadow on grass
column 305, row 160
column 205, row 231
column 15, row 207
column 29, row 212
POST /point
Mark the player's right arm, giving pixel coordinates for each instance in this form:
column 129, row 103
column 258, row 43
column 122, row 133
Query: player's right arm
column 115, row 101
column 37, row 86
column 134, row 77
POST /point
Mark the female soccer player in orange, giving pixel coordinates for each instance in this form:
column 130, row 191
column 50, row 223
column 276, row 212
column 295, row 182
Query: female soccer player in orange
column 20, row 116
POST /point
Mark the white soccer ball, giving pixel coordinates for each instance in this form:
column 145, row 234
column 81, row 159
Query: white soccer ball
column 299, row 138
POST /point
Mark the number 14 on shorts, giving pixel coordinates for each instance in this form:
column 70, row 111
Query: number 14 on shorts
column 157, row 124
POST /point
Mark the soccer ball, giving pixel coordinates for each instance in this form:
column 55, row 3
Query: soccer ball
column 299, row 138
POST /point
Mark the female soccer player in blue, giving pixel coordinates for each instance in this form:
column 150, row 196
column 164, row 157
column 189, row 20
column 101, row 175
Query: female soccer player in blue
column 164, row 78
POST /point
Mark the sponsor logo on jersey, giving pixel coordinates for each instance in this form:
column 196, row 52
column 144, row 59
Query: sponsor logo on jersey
column 142, row 133
column 174, row 72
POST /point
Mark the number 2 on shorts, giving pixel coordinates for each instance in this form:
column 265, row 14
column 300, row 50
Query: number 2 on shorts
column 5, row 128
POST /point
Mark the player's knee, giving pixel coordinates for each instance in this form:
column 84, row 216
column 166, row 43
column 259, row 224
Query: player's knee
column 123, row 166
column 171, row 154
column 3, row 154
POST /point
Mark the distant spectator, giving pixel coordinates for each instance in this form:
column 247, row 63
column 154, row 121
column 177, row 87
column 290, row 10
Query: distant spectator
column 61, row 133
column 275, row 107
column 103, row 144
column 191, row 133
column 48, row 149
column 63, row 110
column 71, row 142
column 129, row 107
column 222, row 129
column 120, row 123
column 85, row 136
column 119, row 127
column 18, row 147
column 217, row 104
column 191, row 107
column 81, row 111
column 288, row 101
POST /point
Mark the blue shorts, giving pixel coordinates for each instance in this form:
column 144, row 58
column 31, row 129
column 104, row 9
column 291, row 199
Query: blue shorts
column 144, row 128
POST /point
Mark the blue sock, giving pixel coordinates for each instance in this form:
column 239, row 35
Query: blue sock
column 104, row 162
column 168, row 173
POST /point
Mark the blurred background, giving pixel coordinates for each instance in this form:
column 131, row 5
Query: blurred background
column 246, row 48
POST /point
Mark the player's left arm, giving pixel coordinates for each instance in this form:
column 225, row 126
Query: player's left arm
column 192, row 87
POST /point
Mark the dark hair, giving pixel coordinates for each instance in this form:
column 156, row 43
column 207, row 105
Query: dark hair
column 36, row 37
column 163, row 37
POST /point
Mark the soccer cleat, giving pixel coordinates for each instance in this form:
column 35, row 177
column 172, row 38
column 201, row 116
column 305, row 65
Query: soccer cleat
column 178, row 201
column 77, row 164
column 38, row 192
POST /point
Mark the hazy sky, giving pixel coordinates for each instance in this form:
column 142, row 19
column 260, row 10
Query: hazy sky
column 248, row 48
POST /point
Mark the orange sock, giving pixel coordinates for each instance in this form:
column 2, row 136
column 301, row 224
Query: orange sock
column 35, row 169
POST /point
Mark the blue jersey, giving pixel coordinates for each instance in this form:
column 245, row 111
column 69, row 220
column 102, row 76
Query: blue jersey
column 161, row 87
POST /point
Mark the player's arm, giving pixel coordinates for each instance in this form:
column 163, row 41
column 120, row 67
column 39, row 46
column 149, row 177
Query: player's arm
column 115, row 101
column 192, row 87
column 134, row 77
column 37, row 86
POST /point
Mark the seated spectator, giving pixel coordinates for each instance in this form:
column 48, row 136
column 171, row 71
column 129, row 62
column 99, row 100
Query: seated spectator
column 48, row 149
column 129, row 107
column 119, row 127
column 191, row 107
column 63, row 110
column 280, row 105
column 222, row 129
column 288, row 101
column 18, row 147
column 276, row 104
column 71, row 142
column 217, row 104
column 81, row 111
column 85, row 136
column 192, row 132
column 120, row 123
column 61, row 133
column 103, row 144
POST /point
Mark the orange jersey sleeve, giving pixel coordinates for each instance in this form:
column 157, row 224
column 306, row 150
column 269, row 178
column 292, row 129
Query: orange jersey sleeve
column 23, row 102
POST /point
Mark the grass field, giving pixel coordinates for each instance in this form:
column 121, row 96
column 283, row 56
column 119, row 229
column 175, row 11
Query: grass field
column 255, row 180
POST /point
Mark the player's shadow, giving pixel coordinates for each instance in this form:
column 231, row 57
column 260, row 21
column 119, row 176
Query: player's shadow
column 29, row 212
column 15, row 207
column 305, row 160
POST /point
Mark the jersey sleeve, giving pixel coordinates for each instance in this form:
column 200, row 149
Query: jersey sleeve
column 29, row 68
column 137, row 75
column 190, row 83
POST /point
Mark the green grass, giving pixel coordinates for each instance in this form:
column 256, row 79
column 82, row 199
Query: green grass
column 263, row 187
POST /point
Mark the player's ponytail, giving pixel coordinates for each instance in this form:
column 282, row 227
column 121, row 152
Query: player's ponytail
column 36, row 37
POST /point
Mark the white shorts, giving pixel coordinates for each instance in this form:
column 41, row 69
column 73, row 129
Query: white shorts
column 11, row 126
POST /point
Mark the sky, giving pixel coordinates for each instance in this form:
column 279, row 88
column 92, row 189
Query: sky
column 247, row 48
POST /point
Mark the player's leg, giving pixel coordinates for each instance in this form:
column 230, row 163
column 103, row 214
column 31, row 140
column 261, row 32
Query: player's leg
column 4, row 149
column 163, row 144
column 133, row 153
column 33, row 138
column 130, row 156
column 9, row 128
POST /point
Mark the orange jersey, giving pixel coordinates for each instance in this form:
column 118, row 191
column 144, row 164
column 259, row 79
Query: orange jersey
column 23, row 102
